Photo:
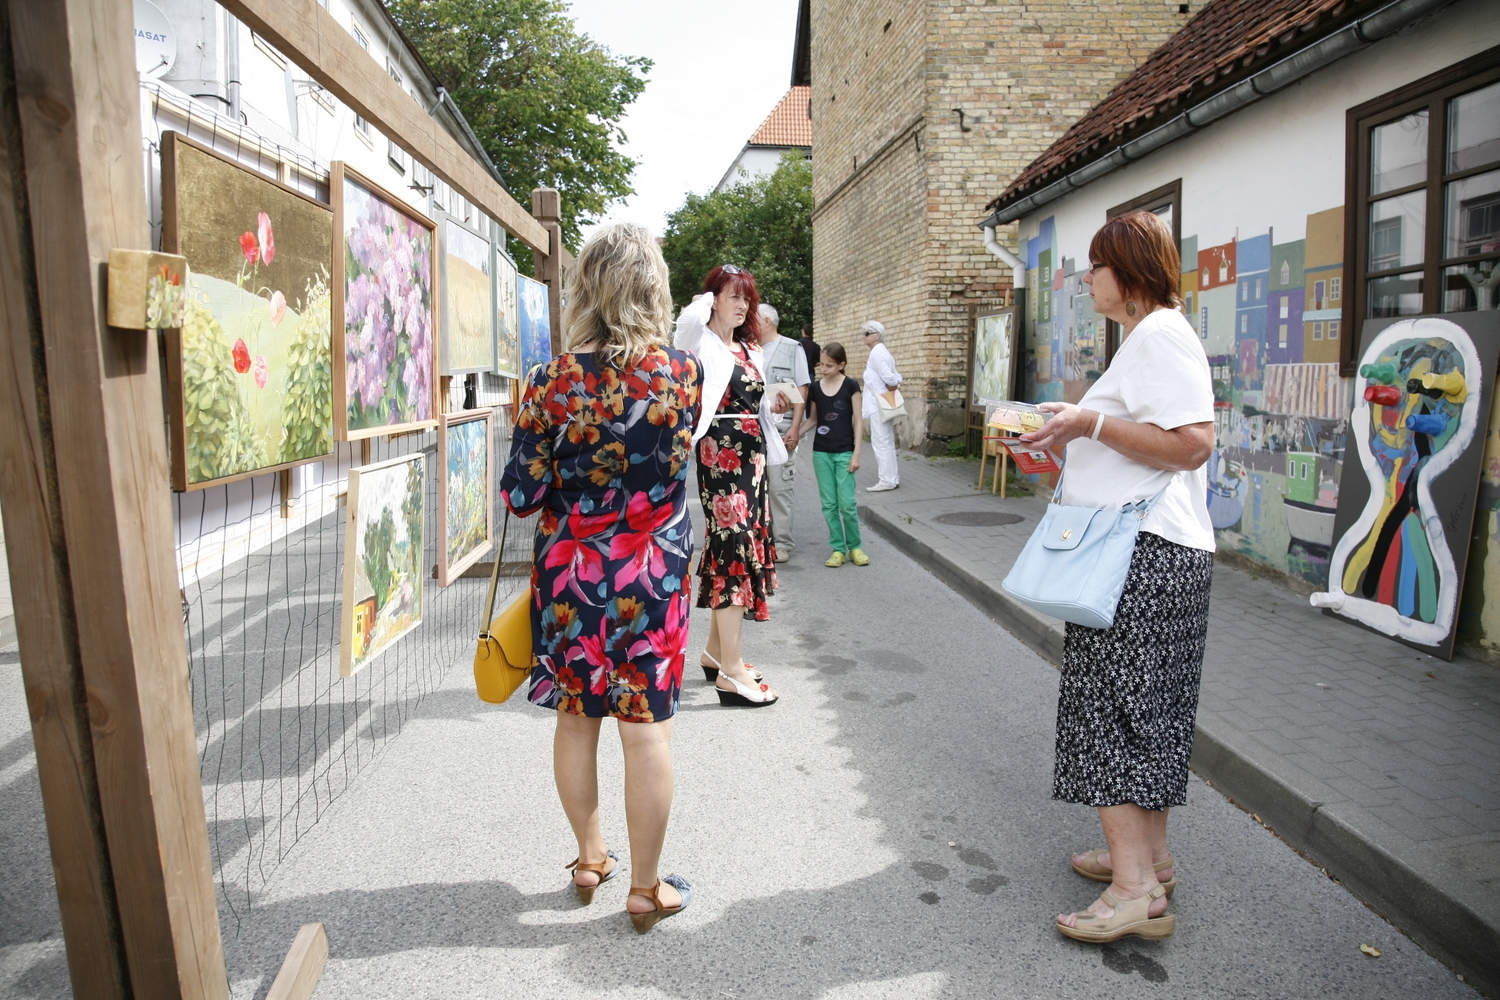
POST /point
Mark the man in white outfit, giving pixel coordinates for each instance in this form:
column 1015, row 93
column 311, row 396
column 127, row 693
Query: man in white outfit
column 785, row 362
column 880, row 376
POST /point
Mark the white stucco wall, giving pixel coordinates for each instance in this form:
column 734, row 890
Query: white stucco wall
column 753, row 162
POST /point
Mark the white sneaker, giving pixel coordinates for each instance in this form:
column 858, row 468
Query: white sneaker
column 881, row 487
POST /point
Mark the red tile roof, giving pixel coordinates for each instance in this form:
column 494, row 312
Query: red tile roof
column 1223, row 44
column 790, row 124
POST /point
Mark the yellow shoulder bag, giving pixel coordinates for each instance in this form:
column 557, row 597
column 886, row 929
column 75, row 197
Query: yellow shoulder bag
column 503, row 659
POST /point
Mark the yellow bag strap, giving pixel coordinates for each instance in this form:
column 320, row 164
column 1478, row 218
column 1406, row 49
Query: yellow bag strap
column 489, row 601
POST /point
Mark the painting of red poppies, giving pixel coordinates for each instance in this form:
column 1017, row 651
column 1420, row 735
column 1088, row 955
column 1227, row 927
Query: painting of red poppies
column 249, row 373
column 384, row 311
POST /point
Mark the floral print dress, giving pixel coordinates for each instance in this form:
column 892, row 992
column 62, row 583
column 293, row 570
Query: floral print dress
column 738, row 565
column 604, row 455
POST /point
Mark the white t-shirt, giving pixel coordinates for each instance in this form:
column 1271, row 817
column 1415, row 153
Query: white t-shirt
column 1159, row 376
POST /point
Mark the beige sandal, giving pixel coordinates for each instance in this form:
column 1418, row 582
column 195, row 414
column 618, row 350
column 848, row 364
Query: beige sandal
column 1131, row 916
column 604, row 869
column 1090, row 868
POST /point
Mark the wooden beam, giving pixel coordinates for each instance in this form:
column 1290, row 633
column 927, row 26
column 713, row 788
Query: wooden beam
column 309, row 35
column 304, row 964
column 101, row 573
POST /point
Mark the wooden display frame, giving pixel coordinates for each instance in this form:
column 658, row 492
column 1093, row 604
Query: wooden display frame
column 450, row 570
column 170, row 237
column 339, row 173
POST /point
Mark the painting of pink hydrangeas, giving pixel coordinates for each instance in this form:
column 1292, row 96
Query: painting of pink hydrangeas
column 384, row 378
column 250, row 369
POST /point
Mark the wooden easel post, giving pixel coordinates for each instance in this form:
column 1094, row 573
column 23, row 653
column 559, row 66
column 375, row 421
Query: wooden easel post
column 546, row 207
column 83, row 481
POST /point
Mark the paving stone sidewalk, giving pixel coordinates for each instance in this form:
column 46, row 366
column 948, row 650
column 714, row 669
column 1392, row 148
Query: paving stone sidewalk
column 1376, row 761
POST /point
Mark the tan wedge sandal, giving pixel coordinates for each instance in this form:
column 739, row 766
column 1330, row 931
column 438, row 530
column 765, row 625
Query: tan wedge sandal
column 1090, row 868
column 1132, row 916
column 645, row 921
column 603, row 869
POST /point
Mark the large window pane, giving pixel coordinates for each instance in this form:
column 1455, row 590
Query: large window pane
column 1471, row 286
column 1395, row 295
column 1397, row 231
column 1474, row 129
column 1398, row 153
column 1473, row 215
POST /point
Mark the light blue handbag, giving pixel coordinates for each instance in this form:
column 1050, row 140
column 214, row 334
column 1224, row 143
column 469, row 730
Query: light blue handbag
column 1075, row 563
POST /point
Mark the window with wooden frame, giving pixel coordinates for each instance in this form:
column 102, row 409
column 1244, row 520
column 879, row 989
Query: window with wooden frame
column 1166, row 202
column 1423, row 216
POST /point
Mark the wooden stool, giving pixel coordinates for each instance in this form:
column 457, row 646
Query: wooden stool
column 989, row 445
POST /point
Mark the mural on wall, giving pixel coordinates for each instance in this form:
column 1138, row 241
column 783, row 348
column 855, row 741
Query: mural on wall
column 468, row 312
column 535, row 323
column 384, row 309
column 383, row 558
column 1269, row 315
column 248, row 374
column 994, row 358
column 464, row 507
column 1423, row 392
column 507, row 317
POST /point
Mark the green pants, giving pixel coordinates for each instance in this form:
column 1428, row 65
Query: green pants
column 836, row 488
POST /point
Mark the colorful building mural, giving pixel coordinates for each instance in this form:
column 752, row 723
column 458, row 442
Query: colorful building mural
column 1268, row 314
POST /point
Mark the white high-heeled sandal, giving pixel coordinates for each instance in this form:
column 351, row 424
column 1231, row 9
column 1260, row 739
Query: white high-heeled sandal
column 744, row 696
column 711, row 674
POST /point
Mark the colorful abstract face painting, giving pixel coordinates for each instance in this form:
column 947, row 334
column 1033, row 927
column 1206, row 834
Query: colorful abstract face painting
column 383, row 561
column 383, row 310
column 1406, row 504
column 250, row 368
column 536, row 323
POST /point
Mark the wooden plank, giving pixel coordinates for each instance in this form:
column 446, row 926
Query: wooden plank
column 304, row 964
column 78, row 101
column 50, row 667
column 309, row 35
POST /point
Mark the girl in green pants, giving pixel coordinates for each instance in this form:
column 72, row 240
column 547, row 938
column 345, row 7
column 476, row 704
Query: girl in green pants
column 835, row 403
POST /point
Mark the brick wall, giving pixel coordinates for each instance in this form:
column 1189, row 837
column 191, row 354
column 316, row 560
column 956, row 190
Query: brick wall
column 898, row 183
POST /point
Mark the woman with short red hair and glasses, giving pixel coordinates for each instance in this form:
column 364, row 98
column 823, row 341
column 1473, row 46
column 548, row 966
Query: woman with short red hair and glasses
column 1129, row 693
column 737, row 568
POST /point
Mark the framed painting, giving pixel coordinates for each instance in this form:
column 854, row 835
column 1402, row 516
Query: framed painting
column 249, row 372
column 465, row 514
column 383, row 558
column 468, row 313
column 536, row 323
column 507, row 316
column 992, row 380
column 1410, row 480
column 384, row 311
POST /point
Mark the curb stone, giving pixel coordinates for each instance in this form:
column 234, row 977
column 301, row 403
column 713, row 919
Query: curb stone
column 1336, row 837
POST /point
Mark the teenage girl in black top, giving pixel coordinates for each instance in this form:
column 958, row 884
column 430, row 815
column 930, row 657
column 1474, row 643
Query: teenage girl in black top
column 835, row 402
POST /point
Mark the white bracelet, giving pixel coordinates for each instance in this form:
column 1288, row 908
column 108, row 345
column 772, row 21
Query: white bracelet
column 1098, row 426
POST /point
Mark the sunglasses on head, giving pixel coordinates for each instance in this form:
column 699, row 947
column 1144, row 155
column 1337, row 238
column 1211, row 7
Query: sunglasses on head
column 732, row 269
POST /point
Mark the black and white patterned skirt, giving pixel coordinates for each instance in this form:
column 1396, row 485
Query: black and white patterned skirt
column 1129, row 693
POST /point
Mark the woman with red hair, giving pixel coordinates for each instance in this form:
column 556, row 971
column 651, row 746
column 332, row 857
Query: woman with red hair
column 737, row 568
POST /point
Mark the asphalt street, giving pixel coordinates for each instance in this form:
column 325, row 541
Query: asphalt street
column 885, row 831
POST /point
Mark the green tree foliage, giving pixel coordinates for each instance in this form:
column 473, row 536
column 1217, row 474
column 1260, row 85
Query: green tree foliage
column 764, row 225
column 307, row 414
column 412, row 511
column 221, row 440
column 544, row 100
column 380, row 540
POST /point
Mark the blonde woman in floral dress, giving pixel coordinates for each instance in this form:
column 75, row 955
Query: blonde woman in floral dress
column 737, row 570
column 601, row 448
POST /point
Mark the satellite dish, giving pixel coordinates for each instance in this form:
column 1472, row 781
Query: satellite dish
column 155, row 41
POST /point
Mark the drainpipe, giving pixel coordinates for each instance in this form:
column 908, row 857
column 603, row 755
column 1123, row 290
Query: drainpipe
column 232, row 64
column 1017, row 282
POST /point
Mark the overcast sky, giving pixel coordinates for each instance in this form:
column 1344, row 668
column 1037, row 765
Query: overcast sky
column 720, row 69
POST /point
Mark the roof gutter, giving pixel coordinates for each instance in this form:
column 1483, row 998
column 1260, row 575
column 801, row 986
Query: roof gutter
column 1351, row 38
column 476, row 148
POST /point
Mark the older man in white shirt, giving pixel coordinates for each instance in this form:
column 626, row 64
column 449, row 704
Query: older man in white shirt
column 785, row 362
column 880, row 376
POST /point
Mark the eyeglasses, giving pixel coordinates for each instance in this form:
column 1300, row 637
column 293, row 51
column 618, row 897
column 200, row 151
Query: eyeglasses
column 1094, row 267
column 732, row 269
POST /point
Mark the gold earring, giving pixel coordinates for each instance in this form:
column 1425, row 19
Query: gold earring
column 1130, row 308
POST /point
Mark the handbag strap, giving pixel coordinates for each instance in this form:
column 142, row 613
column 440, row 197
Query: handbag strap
column 1142, row 507
column 489, row 601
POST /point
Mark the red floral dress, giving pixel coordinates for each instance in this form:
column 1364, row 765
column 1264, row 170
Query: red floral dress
column 738, row 565
column 604, row 455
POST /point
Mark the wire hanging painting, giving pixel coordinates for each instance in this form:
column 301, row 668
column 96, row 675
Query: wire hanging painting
column 382, row 558
column 507, row 317
column 468, row 312
column 464, row 506
column 1407, row 496
column 249, row 372
column 384, row 311
column 536, row 323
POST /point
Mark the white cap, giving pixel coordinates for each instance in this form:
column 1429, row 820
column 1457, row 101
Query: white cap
column 873, row 326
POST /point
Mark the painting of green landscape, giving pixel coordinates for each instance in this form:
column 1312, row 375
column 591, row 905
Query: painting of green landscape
column 468, row 307
column 383, row 558
column 249, row 373
column 464, row 501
